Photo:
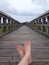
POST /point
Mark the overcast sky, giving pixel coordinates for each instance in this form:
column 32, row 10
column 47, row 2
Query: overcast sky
column 24, row 10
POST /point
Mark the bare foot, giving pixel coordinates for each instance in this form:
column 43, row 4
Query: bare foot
column 24, row 50
column 27, row 47
column 20, row 50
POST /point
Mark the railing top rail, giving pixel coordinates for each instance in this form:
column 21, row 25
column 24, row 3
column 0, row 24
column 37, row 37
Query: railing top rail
column 6, row 15
column 43, row 14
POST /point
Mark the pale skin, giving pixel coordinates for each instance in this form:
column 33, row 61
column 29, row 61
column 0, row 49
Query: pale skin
column 25, row 53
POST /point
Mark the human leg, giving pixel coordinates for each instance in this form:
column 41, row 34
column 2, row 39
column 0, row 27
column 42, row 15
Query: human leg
column 25, row 59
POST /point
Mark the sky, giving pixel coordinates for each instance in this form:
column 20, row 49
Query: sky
column 24, row 10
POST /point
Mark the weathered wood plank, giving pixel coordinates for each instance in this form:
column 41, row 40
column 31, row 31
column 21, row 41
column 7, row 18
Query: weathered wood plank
column 40, row 46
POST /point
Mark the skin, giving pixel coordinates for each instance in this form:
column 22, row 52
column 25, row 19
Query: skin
column 25, row 53
column 20, row 50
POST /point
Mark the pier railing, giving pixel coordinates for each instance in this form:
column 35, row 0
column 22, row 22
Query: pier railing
column 7, row 24
column 41, row 24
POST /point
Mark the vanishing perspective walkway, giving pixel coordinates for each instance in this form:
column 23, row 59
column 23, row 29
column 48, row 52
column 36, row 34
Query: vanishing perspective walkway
column 40, row 45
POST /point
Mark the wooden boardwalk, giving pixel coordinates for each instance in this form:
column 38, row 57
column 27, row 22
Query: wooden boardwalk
column 40, row 46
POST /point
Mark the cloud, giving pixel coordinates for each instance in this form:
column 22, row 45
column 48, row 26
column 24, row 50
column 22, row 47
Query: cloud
column 24, row 10
column 29, row 7
column 24, row 18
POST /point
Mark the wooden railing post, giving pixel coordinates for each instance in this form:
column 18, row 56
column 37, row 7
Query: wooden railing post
column 7, row 24
column 41, row 24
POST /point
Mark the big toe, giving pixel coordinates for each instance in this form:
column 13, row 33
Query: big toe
column 19, row 48
column 27, row 42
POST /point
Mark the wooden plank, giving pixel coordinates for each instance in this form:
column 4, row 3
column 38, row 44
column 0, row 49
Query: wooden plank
column 40, row 45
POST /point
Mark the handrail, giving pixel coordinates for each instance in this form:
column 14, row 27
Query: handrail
column 40, row 24
column 7, row 24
